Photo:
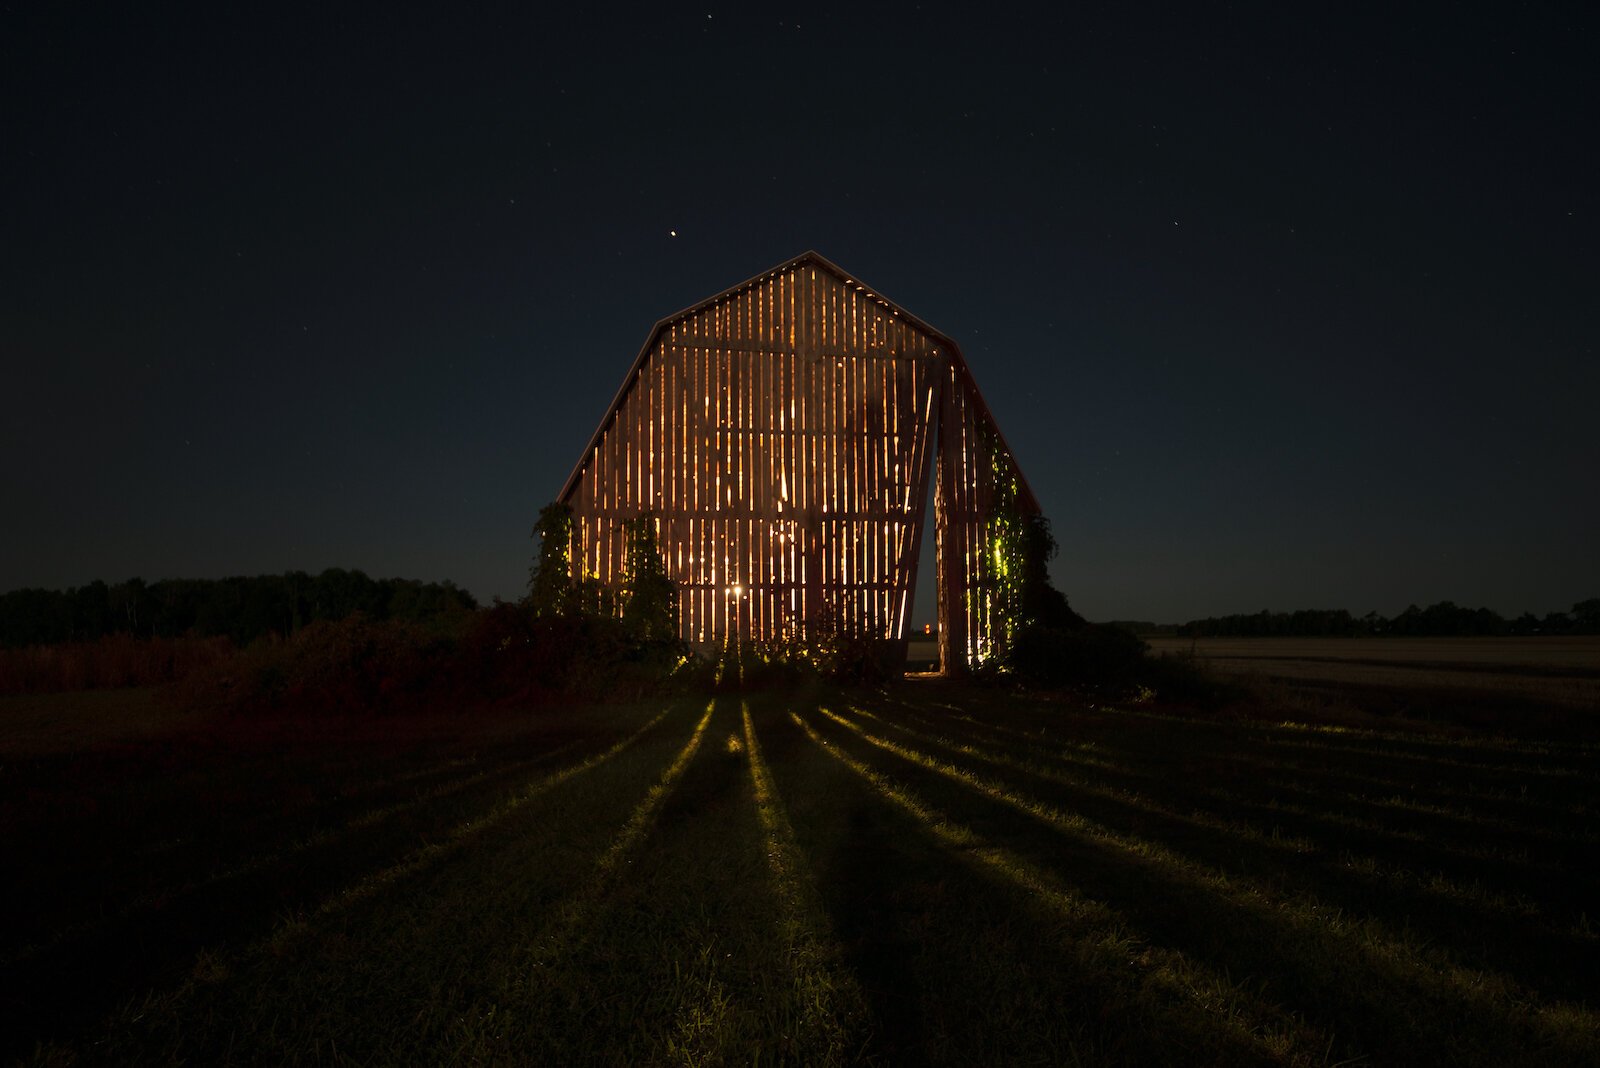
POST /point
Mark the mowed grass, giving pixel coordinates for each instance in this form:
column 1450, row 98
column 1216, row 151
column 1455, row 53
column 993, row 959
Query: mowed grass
column 926, row 874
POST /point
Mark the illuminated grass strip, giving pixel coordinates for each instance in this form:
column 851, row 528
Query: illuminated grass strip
column 1470, row 822
column 1461, row 790
column 825, row 993
column 1369, row 868
column 644, row 814
column 1471, row 851
column 1082, row 754
column 421, row 859
column 1276, row 737
column 1400, row 959
column 1285, row 843
column 1375, row 771
column 1277, row 734
column 433, row 852
column 557, row 937
column 986, row 732
column 1099, row 937
column 1296, row 735
column 1535, row 809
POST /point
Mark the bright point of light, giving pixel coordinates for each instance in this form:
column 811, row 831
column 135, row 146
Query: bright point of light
column 672, row 233
column 736, row 590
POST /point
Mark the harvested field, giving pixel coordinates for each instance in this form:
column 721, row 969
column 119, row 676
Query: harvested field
column 926, row 874
column 1494, row 673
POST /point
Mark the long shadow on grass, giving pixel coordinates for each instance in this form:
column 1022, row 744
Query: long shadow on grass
column 432, row 963
column 668, row 948
column 1534, row 835
column 1382, row 994
column 1506, row 860
column 1485, row 929
column 1190, row 761
column 65, row 985
column 1132, row 730
column 966, row 959
column 342, row 830
column 866, row 877
column 1559, row 799
column 669, row 952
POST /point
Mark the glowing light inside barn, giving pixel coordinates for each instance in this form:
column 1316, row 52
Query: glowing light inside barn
column 782, row 434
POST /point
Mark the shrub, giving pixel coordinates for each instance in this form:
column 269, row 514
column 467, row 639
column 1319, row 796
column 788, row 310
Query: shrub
column 114, row 660
column 1101, row 658
column 1178, row 678
column 354, row 665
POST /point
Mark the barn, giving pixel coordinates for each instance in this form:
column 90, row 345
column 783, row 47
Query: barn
column 784, row 434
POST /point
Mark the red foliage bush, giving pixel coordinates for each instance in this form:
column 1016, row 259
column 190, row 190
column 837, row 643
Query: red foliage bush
column 115, row 660
column 354, row 665
column 502, row 654
column 359, row 665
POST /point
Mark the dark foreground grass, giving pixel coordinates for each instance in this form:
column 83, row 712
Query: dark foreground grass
column 928, row 874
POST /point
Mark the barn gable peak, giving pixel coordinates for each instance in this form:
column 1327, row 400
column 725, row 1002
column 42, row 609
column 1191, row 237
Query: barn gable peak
column 784, row 434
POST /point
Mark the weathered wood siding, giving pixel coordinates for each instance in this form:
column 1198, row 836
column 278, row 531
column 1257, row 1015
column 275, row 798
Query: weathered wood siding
column 975, row 468
column 783, row 434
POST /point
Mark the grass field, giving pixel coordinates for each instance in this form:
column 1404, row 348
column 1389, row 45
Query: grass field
column 929, row 874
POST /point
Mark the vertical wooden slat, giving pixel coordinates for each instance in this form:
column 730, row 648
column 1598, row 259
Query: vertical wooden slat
column 786, row 435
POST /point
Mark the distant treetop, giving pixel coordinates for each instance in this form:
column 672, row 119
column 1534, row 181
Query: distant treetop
column 243, row 608
column 1445, row 619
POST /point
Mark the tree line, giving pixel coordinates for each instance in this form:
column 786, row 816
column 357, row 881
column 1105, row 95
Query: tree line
column 1445, row 619
column 242, row 608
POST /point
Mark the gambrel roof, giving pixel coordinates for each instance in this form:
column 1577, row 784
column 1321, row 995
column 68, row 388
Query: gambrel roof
column 817, row 260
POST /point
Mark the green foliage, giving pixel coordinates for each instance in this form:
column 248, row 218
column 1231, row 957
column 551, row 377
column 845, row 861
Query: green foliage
column 649, row 598
column 1108, row 662
column 1179, row 679
column 551, row 591
column 1017, row 571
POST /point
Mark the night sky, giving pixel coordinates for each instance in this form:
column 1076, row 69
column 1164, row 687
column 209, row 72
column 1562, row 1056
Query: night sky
column 1279, row 307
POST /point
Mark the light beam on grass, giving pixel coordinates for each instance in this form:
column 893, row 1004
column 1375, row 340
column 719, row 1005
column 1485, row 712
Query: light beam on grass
column 1369, row 869
column 644, row 813
column 1280, row 738
column 1402, row 960
column 823, row 989
column 1083, row 754
column 1099, row 935
column 1282, row 842
column 1470, row 822
column 461, row 833
column 1307, row 735
column 1463, row 789
column 571, row 917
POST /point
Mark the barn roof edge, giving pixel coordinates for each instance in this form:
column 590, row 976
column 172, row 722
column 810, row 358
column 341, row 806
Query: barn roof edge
column 809, row 256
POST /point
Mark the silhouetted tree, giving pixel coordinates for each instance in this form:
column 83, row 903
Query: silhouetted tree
column 1041, row 603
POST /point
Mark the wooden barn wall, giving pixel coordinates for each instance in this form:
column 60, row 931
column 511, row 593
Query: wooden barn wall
column 973, row 465
column 782, row 437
